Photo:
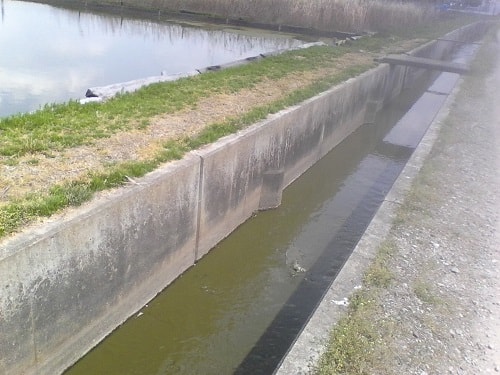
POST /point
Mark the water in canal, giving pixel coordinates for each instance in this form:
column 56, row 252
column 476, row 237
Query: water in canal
column 240, row 307
column 49, row 54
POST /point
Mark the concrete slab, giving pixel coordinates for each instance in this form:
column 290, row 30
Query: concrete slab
column 421, row 62
column 409, row 130
column 445, row 83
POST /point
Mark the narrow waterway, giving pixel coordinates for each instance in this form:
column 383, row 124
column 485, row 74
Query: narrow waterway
column 52, row 55
column 240, row 307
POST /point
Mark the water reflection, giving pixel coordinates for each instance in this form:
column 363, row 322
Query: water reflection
column 49, row 54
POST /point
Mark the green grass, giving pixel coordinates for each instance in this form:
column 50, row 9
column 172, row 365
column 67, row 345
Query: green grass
column 425, row 293
column 378, row 274
column 353, row 340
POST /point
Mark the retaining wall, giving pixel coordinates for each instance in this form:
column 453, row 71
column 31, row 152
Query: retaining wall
column 66, row 284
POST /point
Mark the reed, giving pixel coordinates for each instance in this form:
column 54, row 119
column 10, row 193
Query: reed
column 328, row 15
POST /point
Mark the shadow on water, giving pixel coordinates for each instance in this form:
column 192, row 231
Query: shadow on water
column 240, row 308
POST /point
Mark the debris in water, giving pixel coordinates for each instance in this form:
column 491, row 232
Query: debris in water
column 297, row 267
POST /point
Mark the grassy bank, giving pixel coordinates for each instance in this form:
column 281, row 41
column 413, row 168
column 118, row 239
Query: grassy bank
column 57, row 128
column 367, row 339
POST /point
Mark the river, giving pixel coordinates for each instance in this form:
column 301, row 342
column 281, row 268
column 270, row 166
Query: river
column 52, row 55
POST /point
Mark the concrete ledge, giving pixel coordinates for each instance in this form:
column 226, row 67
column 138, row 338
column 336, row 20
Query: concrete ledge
column 67, row 284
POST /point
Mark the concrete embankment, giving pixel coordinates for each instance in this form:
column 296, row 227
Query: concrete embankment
column 66, row 284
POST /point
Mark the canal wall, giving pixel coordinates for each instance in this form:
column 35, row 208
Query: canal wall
column 67, row 283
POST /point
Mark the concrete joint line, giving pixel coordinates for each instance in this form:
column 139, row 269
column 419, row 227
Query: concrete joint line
column 198, row 208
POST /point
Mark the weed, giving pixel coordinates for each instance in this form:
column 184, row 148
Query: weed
column 354, row 345
column 355, row 340
column 425, row 293
column 379, row 274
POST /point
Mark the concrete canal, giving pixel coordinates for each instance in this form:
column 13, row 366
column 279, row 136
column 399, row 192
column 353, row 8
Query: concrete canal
column 240, row 308
column 69, row 283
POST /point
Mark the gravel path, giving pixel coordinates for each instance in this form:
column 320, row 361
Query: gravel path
column 444, row 304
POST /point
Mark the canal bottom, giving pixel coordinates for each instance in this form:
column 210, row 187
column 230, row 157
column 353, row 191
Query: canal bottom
column 239, row 309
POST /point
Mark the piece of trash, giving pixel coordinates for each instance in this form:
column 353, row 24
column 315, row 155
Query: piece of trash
column 139, row 314
column 343, row 302
column 297, row 267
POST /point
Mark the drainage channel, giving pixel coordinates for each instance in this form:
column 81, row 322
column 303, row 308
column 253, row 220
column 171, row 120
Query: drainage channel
column 240, row 308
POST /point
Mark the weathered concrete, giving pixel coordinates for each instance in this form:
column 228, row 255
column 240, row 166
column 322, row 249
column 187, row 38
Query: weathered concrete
column 67, row 283
column 233, row 169
column 271, row 190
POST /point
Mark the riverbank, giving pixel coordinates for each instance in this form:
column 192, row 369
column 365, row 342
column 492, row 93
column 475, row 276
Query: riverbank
column 430, row 302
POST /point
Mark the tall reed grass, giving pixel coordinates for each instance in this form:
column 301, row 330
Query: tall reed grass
column 328, row 15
